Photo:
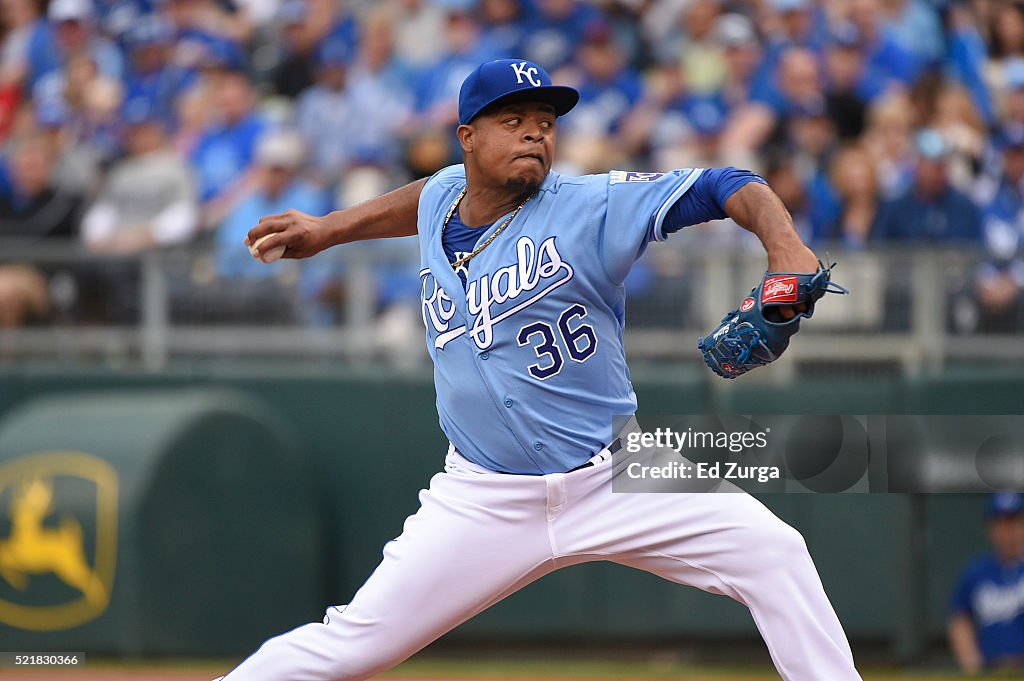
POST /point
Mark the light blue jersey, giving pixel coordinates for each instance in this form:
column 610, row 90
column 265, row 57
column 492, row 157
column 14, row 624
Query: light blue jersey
column 529, row 364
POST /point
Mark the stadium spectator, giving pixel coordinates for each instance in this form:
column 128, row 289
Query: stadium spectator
column 694, row 46
column 666, row 84
column 687, row 125
column 558, row 28
column 419, row 31
column 809, row 141
column 438, row 91
column 34, row 207
column 24, row 296
column 223, row 156
column 148, row 198
column 192, row 114
column 850, row 86
column 609, row 91
column 741, row 50
column 930, row 210
column 673, row 126
column 329, row 116
column 1006, row 44
column 1011, row 101
column 986, row 625
column 855, row 186
column 609, row 88
column 1000, row 281
column 967, row 60
column 260, row 14
column 351, row 114
column 208, row 22
column 800, row 88
column 280, row 158
column 71, row 31
column 208, row 54
column 889, row 140
column 961, row 126
column 151, row 74
column 339, row 19
column 33, row 210
column 296, row 69
column 256, row 288
column 382, row 80
column 21, row 20
column 917, row 26
column 894, row 63
column 80, row 112
column 787, row 25
column 785, row 178
column 505, row 25
column 810, row 136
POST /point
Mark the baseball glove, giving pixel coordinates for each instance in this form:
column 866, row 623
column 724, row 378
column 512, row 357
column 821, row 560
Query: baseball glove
column 755, row 333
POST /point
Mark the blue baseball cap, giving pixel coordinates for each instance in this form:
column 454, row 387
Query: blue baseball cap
column 931, row 144
column 149, row 30
column 790, row 5
column 1010, row 136
column 140, row 110
column 1005, row 504
column 293, row 12
column 51, row 112
column 1013, row 72
column 846, row 34
column 509, row 80
column 333, row 52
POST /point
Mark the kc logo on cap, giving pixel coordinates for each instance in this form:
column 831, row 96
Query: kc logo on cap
column 530, row 72
column 507, row 80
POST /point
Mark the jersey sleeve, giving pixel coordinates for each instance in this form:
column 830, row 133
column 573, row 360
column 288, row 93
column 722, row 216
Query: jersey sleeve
column 705, row 200
column 637, row 206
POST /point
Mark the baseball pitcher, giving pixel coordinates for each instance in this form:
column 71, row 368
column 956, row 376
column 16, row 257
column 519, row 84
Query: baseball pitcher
column 523, row 302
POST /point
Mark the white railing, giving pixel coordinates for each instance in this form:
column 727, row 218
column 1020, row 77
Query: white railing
column 898, row 312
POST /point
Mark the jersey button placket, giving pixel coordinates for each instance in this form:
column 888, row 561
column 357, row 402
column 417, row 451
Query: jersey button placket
column 485, row 355
column 538, row 446
column 508, row 402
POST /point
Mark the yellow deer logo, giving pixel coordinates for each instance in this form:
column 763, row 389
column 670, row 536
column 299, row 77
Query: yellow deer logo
column 45, row 546
column 35, row 549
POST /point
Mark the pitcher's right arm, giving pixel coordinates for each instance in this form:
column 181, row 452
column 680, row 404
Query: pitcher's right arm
column 389, row 215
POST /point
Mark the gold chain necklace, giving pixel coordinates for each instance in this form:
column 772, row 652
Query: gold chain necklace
column 469, row 256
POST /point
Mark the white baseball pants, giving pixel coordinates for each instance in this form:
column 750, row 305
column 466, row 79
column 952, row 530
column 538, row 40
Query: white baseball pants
column 479, row 536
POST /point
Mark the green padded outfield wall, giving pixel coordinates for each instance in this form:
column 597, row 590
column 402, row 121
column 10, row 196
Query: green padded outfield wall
column 372, row 438
column 167, row 520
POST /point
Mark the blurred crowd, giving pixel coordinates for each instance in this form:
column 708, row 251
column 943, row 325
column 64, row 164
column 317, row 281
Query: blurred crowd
column 129, row 125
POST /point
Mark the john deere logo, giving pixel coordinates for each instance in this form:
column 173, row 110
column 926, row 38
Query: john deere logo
column 58, row 539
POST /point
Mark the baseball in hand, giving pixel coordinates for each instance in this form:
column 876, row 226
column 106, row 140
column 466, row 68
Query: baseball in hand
column 269, row 256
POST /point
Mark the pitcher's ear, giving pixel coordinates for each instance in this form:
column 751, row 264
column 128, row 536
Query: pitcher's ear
column 465, row 135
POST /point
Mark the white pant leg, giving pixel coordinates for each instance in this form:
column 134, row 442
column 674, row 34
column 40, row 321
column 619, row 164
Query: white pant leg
column 723, row 543
column 475, row 539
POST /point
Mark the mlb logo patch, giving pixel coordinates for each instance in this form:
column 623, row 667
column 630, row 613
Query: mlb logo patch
column 617, row 176
column 780, row 289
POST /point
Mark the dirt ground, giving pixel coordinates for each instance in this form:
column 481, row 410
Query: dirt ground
column 173, row 675
column 102, row 675
column 194, row 675
column 483, row 669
